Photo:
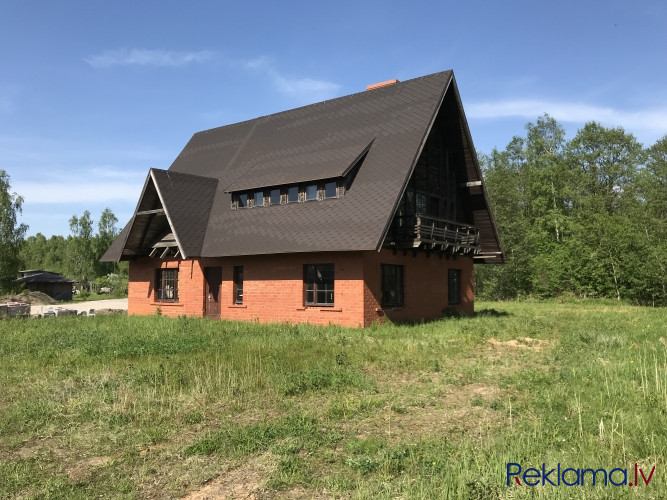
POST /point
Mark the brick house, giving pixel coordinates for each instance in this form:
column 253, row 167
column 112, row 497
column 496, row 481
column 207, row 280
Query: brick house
column 348, row 211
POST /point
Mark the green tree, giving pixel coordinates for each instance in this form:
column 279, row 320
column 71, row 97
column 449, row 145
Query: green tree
column 11, row 233
column 81, row 257
column 106, row 233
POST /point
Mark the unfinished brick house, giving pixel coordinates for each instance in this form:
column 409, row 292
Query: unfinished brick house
column 348, row 211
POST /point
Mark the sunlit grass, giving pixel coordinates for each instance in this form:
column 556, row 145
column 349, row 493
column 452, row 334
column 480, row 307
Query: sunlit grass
column 152, row 407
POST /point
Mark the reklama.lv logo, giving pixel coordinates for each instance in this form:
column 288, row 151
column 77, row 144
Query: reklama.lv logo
column 574, row 477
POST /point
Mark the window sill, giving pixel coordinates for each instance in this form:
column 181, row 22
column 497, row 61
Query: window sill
column 169, row 304
column 321, row 308
column 237, row 306
column 389, row 308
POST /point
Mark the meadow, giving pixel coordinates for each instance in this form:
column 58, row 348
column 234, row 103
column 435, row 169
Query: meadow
column 152, row 407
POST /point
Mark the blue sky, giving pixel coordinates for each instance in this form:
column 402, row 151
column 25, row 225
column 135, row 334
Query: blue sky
column 94, row 93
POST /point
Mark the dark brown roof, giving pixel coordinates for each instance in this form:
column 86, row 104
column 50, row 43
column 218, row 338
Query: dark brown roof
column 39, row 276
column 324, row 140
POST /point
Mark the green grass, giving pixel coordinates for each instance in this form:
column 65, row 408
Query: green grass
column 152, row 407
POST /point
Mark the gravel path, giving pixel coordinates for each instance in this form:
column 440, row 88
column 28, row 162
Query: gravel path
column 83, row 306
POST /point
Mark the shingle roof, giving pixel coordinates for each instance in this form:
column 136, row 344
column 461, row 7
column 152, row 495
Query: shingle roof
column 44, row 277
column 314, row 142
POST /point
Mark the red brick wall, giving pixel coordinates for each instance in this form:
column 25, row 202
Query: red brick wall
column 425, row 285
column 273, row 287
column 141, row 288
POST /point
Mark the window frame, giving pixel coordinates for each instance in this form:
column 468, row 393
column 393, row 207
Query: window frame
column 314, row 288
column 238, row 285
column 397, row 273
column 309, row 187
column 271, row 197
column 163, row 280
column 453, row 287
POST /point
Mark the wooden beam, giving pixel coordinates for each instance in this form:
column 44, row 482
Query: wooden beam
column 157, row 211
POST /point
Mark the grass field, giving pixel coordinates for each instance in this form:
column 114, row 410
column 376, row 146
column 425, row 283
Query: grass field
column 151, row 407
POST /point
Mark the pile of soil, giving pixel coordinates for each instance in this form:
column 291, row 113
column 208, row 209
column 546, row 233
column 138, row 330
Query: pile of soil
column 32, row 298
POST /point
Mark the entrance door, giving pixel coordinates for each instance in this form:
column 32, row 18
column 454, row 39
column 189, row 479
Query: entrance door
column 213, row 278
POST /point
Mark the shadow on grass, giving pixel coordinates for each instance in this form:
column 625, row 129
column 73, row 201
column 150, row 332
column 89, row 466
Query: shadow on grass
column 493, row 313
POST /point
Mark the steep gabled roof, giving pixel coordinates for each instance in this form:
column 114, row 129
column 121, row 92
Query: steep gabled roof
column 380, row 133
column 171, row 216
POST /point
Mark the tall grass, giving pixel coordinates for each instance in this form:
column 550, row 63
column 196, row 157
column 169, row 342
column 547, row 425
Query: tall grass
column 151, row 407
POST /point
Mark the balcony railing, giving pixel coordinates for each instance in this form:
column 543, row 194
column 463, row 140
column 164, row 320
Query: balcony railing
column 435, row 233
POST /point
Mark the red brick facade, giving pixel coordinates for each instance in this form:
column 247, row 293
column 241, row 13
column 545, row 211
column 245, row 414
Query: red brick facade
column 273, row 287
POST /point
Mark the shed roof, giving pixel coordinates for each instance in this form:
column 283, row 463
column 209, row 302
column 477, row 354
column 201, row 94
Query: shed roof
column 39, row 276
column 382, row 131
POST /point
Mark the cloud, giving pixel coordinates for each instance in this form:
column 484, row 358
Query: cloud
column 653, row 120
column 143, row 57
column 306, row 89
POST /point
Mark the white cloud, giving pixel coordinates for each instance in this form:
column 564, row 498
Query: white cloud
column 651, row 120
column 143, row 57
column 307, row 89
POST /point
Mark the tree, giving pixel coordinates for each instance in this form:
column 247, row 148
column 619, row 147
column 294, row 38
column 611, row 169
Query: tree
column 11, row 233
column 106, row 233
column 80, row 248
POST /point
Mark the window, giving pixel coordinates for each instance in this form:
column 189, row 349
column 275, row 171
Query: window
column 454, row 286
column 243, row 200
column 311, row 192
column 238, row 284
column 330, row 190
column 319, row 284
column 258, row 200
column 167, row 285
column 274, row 197
column 292, row 194
column 392, row 285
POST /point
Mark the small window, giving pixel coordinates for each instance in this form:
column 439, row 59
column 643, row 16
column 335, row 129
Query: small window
column 319, row 284
column 292, row 194
column 330, row 190
column 392, row 285
column 275, row 197
column 311, row 192
column 454, row 286
column 238, row 284
column 243, row 200
column 166, row 285
column 258, row 200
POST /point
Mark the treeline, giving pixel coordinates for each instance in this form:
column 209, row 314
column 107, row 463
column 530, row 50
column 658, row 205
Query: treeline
column 585, row 217
column 78, row 255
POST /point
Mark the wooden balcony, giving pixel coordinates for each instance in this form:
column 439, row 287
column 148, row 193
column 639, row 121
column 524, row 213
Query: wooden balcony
column 435, row 233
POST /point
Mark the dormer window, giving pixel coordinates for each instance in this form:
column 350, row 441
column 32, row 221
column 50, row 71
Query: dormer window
column 294, row 193
column 331, row 189
column 311, row 192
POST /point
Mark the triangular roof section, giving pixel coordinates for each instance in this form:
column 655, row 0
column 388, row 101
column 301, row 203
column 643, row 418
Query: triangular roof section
column 380, row 132
column 170, row 218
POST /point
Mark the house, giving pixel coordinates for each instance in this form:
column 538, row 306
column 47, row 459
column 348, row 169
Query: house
column 52, row 284
column 348, row 211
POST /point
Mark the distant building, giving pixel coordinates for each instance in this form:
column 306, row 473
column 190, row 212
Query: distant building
column 349, row 211
column 52, row 284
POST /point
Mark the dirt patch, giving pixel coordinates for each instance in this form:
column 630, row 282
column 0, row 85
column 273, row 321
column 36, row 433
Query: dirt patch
column 32, row 298
column 39, row 447
column 243, row 482
column 83, row 470
column 522, row 343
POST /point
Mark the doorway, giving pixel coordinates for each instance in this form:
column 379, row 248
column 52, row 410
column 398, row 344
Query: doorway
column 213, row 279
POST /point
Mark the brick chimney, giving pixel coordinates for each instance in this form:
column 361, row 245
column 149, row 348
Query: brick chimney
column 374, row 86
